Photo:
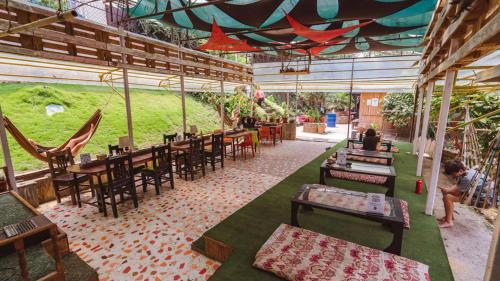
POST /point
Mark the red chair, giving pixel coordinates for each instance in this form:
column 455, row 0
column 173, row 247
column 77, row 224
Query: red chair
column 265, row 133
column 278, row 134
column 247, row 144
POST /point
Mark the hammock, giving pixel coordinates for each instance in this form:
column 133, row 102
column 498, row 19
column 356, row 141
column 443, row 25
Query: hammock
column 320, row 36
column 40, row 152
column 219, row 41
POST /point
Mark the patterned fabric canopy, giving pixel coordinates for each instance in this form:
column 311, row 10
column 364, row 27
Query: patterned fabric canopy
column 377, row 25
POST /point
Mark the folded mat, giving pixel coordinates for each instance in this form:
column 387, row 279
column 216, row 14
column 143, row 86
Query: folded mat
column 298, row 254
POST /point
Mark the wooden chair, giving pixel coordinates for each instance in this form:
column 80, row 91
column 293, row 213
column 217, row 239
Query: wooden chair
column 161, row 171
column 114, row 150
column 120, row 176
column 187, row 136
column 64, row 180
column 194, row 159
column 169, row 138
column 215, row 153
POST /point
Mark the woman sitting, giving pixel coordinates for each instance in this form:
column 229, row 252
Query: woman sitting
column 370, row 141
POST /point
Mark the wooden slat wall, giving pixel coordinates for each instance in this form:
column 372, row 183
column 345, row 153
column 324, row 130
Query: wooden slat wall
column 371, row 114
column 82, row 41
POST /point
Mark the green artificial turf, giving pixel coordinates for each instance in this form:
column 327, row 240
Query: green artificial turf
column 154, row 112
column 248, row 228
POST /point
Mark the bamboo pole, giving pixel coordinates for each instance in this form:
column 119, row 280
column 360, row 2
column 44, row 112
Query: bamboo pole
column 6, row 154
column 474, row 120
column 40, row 23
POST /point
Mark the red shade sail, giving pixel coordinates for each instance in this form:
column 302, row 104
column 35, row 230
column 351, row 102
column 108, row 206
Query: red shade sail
column 219, row 41
column 320, row 36
column 316, row 50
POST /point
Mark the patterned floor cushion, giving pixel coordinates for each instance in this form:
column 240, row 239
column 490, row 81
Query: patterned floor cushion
column 359, row 177
column 298, row 254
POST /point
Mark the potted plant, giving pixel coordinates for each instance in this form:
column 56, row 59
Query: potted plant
column 322, row 119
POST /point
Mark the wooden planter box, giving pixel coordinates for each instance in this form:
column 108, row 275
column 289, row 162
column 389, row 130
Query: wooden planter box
column 310, row 127
column 316, row 128
column 289, row 131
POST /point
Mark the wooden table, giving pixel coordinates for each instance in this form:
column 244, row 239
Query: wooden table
column 44, row 232
column 387, row 156
column 360, row 168
column 234, row 139
column 184, row 145
column 272, row 129
column 350, row 203
column 97, row 169
column 386, row 143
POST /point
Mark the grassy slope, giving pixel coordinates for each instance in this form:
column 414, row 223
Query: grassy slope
column 153, row 113
column 249, row 227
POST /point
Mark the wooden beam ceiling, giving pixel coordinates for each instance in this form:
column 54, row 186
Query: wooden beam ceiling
column 476, row 28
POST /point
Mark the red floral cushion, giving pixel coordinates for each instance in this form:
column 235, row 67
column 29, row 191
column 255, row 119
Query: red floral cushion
column 358, row 177
column 298, row 254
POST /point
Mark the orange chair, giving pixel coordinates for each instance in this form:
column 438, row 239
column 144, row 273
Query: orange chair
column 247, row 144
column 265, row 133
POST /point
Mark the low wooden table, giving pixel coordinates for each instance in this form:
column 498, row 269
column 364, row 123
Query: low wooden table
column 350, row 203
column 360, row 168
column 386, row 143
column 387, row 156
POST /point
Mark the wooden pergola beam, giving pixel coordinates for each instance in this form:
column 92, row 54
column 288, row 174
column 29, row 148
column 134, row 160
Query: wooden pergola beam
column 489, row 75
column 485, row 41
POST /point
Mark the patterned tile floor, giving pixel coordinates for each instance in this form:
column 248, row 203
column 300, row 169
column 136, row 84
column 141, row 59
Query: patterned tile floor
column 153, row 241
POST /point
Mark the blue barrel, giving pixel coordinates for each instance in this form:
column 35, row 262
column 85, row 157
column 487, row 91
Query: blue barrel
column 331, row 120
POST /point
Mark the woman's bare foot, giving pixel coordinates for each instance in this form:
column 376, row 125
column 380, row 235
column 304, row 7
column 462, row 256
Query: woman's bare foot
column 446, row 224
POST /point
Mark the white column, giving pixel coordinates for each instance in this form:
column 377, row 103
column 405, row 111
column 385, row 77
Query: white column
column 223, row 101
column 440, row 137
column 183, row 104
column 126, row 90
column 6, row 153
column 420, row 93
column 425, row 127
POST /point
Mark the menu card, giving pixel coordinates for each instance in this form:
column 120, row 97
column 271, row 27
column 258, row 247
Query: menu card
column 376, row 203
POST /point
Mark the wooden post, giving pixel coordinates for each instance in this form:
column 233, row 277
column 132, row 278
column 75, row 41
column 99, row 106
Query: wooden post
column 420, row 93
column 252, row 104
column 126, row 89
column 350, row 99
column 440, row 138
column 425, row 127
column 223, row 101
column 6, row 153
column 183, row 104
column 493, row 264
